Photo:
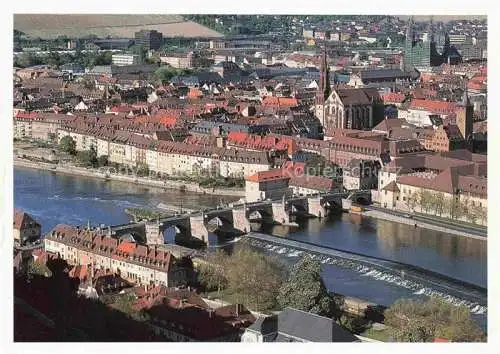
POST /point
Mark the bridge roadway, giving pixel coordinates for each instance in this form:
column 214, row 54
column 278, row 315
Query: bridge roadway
column 240, row 206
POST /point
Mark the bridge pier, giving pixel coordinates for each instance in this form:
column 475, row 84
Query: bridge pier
column 240, row 220
column 154, row 236
column 315, row 208
column 198, row 228
column 280, row 215
column 346, row 204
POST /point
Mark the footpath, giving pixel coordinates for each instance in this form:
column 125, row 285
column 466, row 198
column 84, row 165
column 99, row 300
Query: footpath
column 420, row 224
column 92, row 173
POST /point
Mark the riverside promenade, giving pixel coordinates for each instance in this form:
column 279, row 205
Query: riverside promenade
column 92, row 173
column 427, row 223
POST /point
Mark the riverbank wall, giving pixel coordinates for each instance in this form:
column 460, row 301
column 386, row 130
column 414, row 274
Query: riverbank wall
column 92, row 173
column 402, row 220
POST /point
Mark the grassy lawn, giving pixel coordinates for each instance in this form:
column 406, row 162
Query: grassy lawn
column 227, row 296
column 224, row 295
column 381, row 335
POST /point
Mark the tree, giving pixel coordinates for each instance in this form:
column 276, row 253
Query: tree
column 165, row 74
column 439, row 203
column 354, row 325
column 103, row 160
column 415, row 321
column 412, row 201
column 305, row 290
column 25, row 60
column 455, row 208
column 318, row 165
column 142, row 170
column 39, row 268
column 481, row 213
column 211, row 275
column 88, row 157
column 53, row 59
column 253, row 278
column 141, row 51
column 68, row 145
column 93, row 156
column 424, row 200
column 468, row 209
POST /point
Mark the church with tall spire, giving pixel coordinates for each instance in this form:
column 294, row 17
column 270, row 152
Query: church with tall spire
column 324, row 88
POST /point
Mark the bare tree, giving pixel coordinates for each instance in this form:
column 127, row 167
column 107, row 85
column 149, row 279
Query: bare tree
column 439, row 203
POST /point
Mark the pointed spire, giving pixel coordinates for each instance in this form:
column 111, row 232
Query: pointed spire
column 431, row 28
column 465, row 96
column 324, row 80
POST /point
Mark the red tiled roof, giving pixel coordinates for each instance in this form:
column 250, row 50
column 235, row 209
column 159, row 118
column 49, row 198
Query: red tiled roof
column 272, row 101
column 194, row 93
column 322, row 184
column 126, row 247
column 438, row 107
column 391, row 187
column 98, row 243
column 295, row 167
column 26, row 115
column 393, row 97
column 270, row 175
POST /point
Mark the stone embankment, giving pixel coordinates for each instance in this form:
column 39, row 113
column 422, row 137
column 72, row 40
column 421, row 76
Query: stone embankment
column 420, row 224
column 93, row 173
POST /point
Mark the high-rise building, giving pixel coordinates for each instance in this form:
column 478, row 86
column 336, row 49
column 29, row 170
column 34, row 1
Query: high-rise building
column 150, row 39
column 417, row 53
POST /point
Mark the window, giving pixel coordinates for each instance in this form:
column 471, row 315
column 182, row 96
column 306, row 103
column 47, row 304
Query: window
column 397, row 198
column 404, row 199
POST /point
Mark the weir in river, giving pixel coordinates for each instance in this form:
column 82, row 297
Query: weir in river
column 416, row 279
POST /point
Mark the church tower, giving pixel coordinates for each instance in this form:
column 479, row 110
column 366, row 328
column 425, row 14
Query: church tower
column 323, row 88
column 464, row 115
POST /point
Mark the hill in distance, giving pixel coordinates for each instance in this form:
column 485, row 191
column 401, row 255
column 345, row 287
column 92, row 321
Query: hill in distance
column 47, row 26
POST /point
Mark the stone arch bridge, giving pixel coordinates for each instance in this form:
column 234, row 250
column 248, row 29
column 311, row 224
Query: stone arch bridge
column 198, row 224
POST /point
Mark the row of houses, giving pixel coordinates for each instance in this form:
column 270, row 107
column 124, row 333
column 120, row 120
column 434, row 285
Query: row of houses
column 139, row 264
column 167, row 157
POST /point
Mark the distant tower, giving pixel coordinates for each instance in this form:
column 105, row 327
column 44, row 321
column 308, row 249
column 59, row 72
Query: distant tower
column 464, row 115
column 446, row 47
column 323, row 88
column 431, row 29
column 436, row 58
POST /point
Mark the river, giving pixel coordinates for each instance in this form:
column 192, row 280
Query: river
column 55, row 198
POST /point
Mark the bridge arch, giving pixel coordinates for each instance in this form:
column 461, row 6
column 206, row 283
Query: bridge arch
column 258, row 214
